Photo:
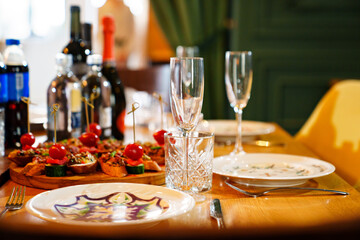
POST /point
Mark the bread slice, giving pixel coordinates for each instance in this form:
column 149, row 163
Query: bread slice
column 151, row 166
column 113, row 165
column 115, row 171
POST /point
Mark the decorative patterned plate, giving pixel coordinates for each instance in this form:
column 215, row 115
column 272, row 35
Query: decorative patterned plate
column 271, row 169
column 110, row 204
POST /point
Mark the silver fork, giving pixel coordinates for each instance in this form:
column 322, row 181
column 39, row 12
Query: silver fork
column 15, row 201
column 261, row 193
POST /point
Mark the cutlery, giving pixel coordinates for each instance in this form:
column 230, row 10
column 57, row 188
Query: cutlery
column 216, row 212
column 15, row 201
column 261, row 193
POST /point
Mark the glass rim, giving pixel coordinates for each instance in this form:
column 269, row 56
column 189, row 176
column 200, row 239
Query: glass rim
column 239, row 52
column 178, row 134
column 186, row 58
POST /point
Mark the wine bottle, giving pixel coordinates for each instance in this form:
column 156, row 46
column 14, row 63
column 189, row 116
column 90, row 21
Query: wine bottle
column 97, row 90
column 118, row 102
column 76, row 47
column 64, row 90
column 16, row 113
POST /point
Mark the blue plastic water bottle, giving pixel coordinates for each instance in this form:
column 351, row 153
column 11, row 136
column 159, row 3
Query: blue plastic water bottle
column 18, row 86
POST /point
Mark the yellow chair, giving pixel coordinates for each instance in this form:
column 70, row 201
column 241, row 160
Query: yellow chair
column 333, row 130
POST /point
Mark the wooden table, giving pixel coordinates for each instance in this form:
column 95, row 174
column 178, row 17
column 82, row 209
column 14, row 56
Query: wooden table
column 279, row 216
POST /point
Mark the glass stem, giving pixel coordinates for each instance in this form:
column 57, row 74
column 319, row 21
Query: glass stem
column 238, row 144
column 186, row 161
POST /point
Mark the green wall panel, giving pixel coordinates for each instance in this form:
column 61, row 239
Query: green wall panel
column 299, row 47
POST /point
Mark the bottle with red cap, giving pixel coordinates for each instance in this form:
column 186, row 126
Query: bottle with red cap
column 110, row 72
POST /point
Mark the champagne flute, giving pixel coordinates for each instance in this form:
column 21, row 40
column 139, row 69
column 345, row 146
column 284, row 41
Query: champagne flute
column 186, row 91
column 186, row 96
column 238, row 81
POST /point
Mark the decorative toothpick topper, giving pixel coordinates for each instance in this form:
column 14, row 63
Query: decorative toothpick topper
column 161, row 102
column 135, row 106
column 28, row 102
column 55, row 107
column 86, row 102
column 93, row 96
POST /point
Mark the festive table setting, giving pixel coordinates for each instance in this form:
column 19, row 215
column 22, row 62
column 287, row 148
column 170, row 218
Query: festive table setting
column 197, row 178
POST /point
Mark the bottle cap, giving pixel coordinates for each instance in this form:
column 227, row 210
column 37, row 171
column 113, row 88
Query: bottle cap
column 74, row 9
column 108, row 24
column 94, row 59
column 62, row 59
column 12, row 42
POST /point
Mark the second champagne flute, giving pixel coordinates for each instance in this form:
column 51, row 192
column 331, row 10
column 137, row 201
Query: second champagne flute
column 186, row 95
column 238, row 81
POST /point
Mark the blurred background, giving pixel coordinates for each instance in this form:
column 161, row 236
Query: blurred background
column 300, row 47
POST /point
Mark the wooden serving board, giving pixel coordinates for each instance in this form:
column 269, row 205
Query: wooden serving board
column 44, row 182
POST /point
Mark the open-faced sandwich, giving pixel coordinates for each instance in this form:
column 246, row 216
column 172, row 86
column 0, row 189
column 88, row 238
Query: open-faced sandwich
column 22, row 157
column 82, row 163
column 155, row 152
column 108, row 145
column 113, row 164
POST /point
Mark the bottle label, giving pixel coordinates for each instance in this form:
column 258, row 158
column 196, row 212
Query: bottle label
column 105, row 117
column 18, row 86
column 3, row 88
column 75, row 102
column 75, row 120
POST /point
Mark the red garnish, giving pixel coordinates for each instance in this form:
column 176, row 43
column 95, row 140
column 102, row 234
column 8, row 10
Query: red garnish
column 95, row 128
column 50, row 160
column 134, row 151
column 57, row 151
column 134, row 162
column 159, row 136
column 27, row 139
column 27, row 147
column 89, row 139
column 91, row 150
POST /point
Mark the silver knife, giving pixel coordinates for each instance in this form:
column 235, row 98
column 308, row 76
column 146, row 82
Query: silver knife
column 215, row 212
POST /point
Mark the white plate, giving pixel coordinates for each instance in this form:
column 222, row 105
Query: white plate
column 110, row 204
column 228, row 128
column 271, row 169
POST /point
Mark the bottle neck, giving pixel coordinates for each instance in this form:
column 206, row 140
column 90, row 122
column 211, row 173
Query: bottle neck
column 86, row 35
column 109, row 43
column 75, row 29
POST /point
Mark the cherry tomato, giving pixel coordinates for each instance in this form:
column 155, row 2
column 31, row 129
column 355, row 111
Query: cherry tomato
column 95, row 128
column 89, row 139
column 159, row 136
column 57, row 151
column 134, row 151
column 27, row 139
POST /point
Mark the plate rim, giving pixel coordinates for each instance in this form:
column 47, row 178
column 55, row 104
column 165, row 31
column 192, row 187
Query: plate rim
column 37, row 213
column 330, row 170
column 271, row 128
